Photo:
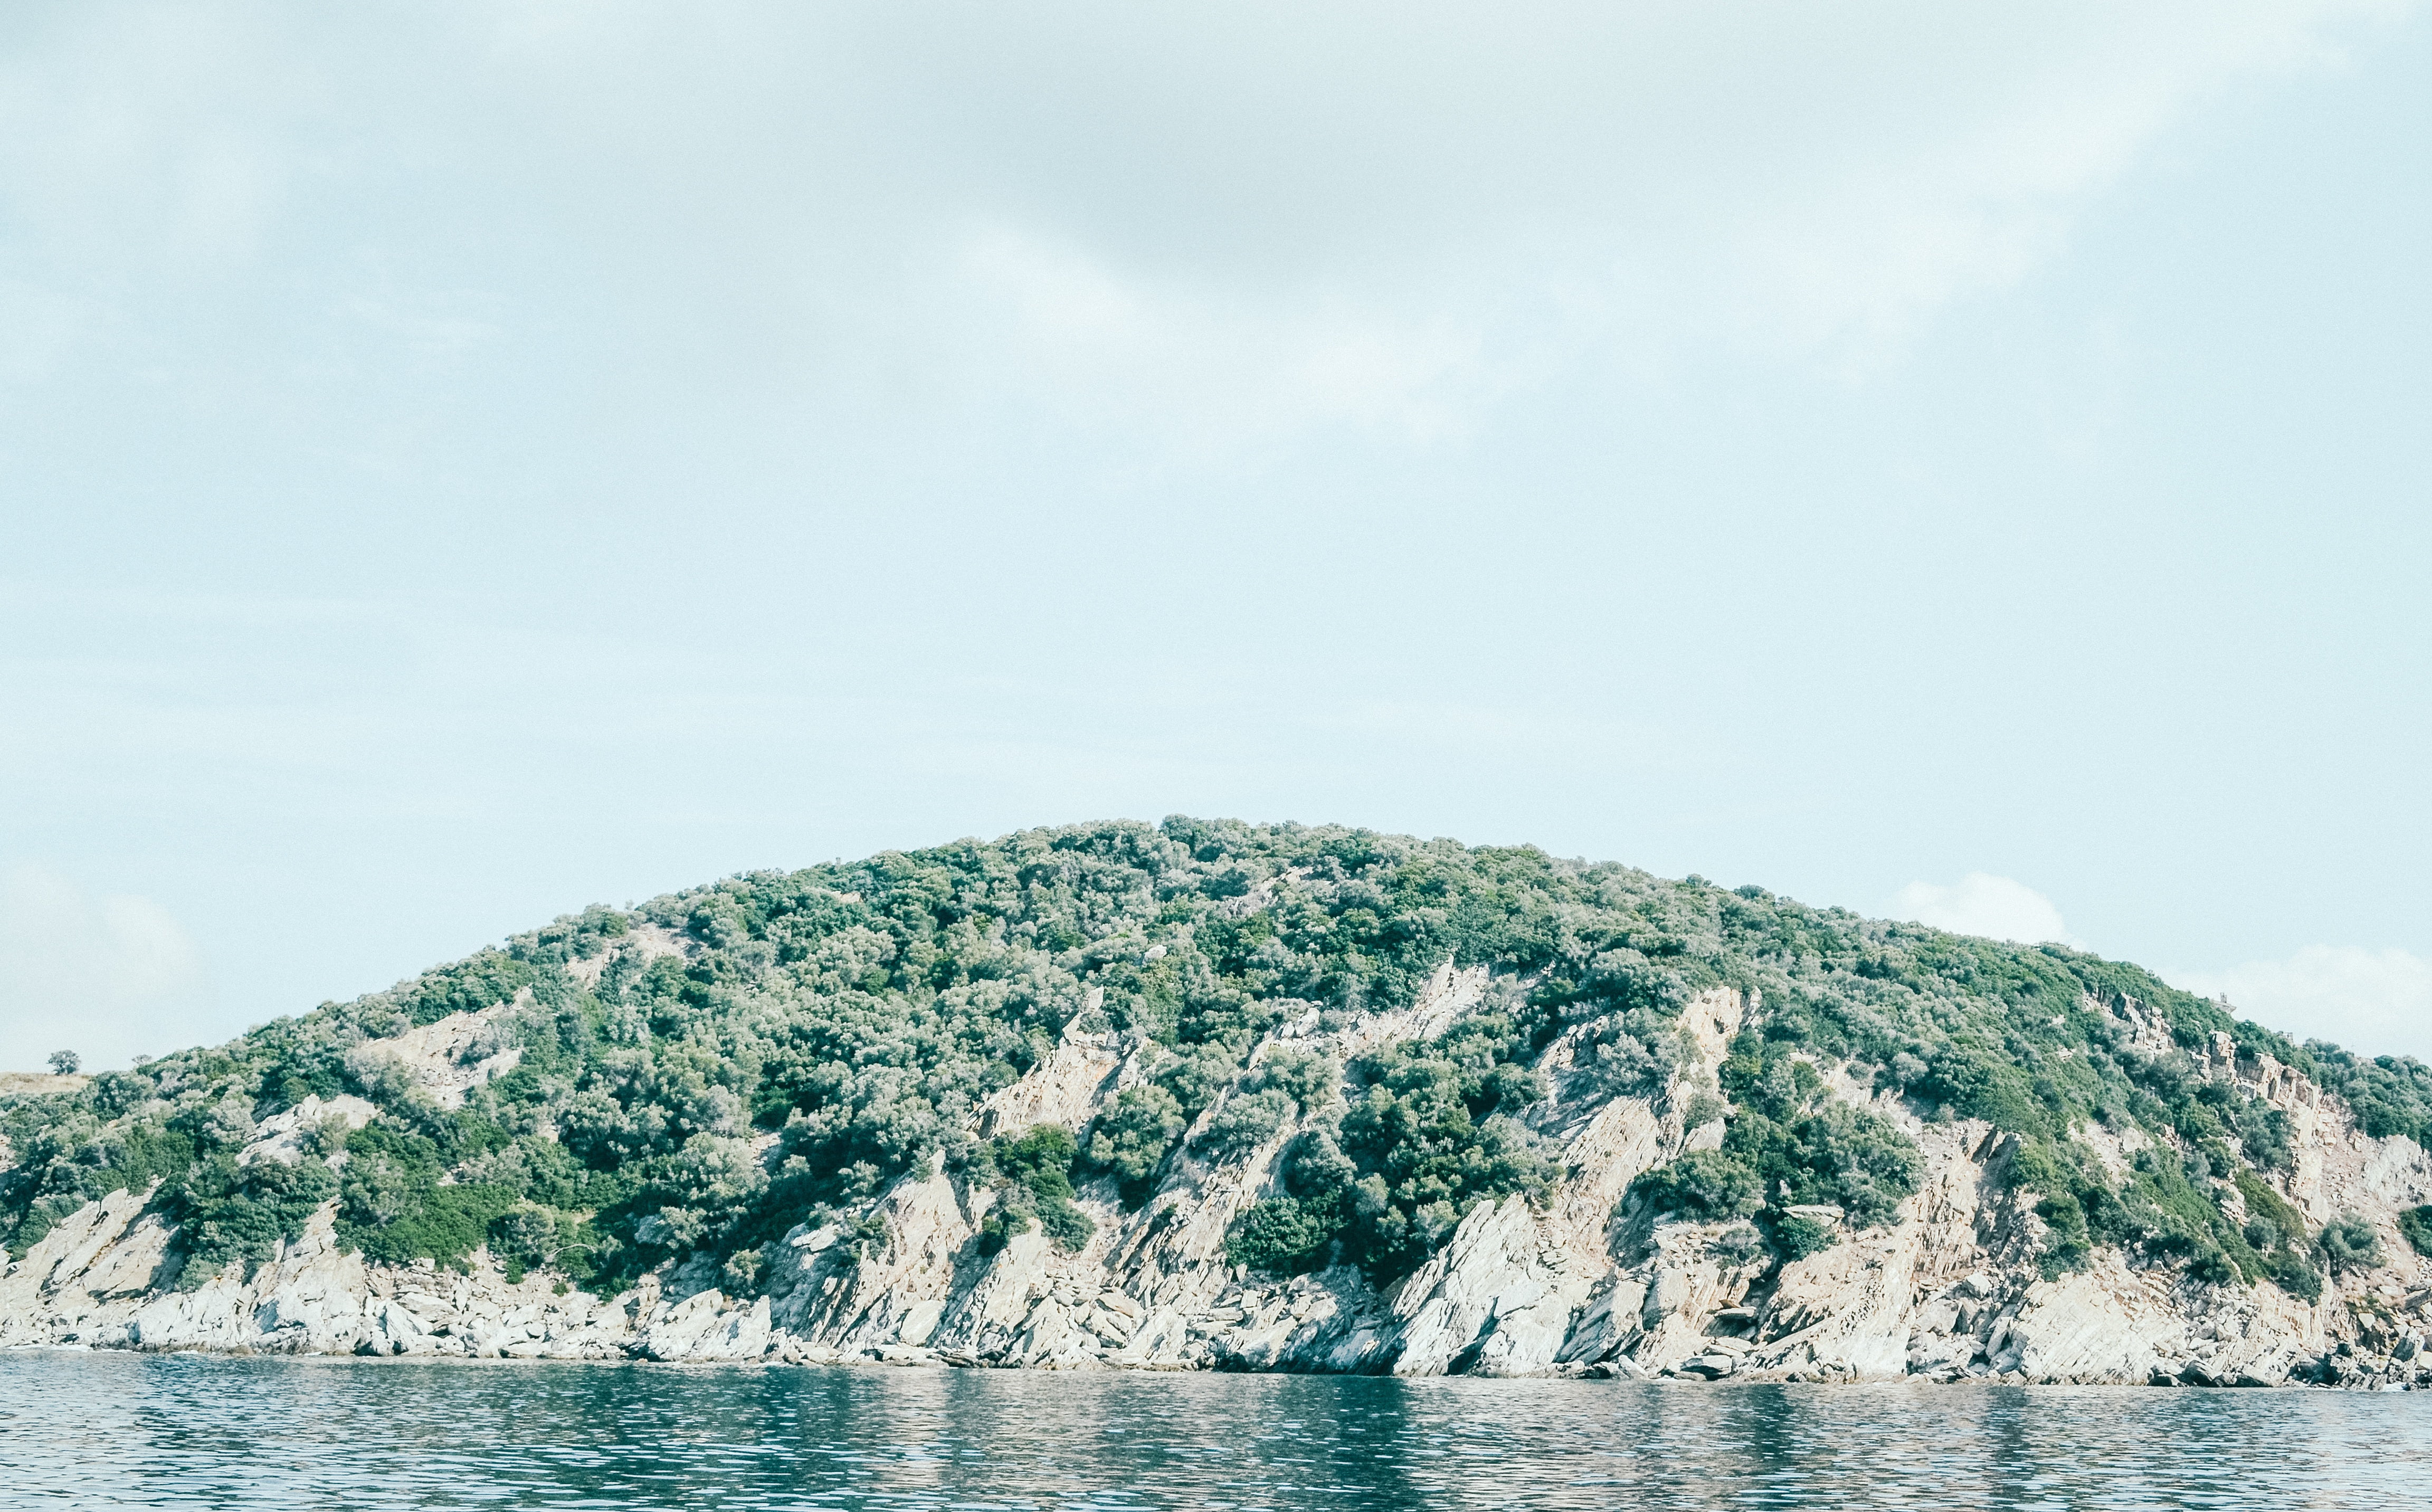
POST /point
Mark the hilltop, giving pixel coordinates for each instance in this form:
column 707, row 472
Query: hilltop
column 1281, row 1096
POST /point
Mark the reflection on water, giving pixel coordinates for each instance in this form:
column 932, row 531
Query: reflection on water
column 101, row 1429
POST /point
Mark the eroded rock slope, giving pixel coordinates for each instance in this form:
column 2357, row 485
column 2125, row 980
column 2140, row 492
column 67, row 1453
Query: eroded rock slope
column 1580, row 1278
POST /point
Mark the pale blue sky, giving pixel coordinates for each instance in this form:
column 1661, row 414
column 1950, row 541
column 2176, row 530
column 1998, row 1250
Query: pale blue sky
column 461, row 463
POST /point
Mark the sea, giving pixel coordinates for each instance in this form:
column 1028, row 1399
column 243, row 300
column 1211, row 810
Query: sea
column 100, row 1429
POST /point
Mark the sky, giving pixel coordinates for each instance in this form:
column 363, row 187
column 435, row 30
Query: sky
column 462, row 463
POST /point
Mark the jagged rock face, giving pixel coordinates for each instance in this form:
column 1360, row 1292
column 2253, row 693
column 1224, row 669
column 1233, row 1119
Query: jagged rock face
column 1571, row 1284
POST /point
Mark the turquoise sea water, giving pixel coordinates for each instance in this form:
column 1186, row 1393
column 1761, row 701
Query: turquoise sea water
column 186, row 1431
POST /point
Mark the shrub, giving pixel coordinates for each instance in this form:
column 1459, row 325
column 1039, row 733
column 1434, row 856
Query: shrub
column 2415, row 1226
column 1040, row 1159
column 2276, row 1232
column 532, row 1236
column 1197, row 1079
column 1131, row 1138
column 998, row 1228
column 1789, row 1138
column 1035, row 1174
column 1067, row 1225
column 1619, row 1061
column 227, row 1212
column 1245, row 1122
column 2390, row 1094
column 1738, row 1244
column 1703, row 1183
column 2067, row 1245
column 2292, row 1275
column 445, row 1224
column 742, row 1271
column 2159, row 1213
column 395, row 1208
column 2349, row 1243
column 2263, row 1132
column 1317, row 1171
column 1975, row 1081
column 1307, row 1076
column 1431, row 1136
column 1276, row 1234
column 1796, row 1236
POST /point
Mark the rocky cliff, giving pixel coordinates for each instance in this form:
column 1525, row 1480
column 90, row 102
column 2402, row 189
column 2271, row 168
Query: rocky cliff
column 1578, row 1278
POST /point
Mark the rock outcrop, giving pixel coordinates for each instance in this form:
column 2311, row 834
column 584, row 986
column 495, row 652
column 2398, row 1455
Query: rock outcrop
column 1574, row 1283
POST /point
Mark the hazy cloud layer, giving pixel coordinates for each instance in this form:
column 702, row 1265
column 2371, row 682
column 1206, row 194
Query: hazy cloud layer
column 1225, row 228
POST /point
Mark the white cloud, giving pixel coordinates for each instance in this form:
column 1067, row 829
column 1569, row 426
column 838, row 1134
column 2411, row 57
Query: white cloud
column 2375, row 1002
column 1981, row 904
column 106, row 975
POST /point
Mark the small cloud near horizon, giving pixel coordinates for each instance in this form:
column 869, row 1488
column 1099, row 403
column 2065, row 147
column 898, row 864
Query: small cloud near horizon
column 2372, row 1003
column 2375, row 1002
column 103, row 975
column 1998, row 908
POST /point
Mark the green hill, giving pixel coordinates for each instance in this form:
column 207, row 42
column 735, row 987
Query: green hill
column 696, row 1076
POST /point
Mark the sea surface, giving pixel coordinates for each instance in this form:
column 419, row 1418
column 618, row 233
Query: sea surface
column 102, row 1429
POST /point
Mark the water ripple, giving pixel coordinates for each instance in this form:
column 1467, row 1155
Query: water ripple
column 99, row 1429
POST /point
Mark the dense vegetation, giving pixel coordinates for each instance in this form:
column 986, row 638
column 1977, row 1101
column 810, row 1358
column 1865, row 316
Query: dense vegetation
column 821, row 1032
